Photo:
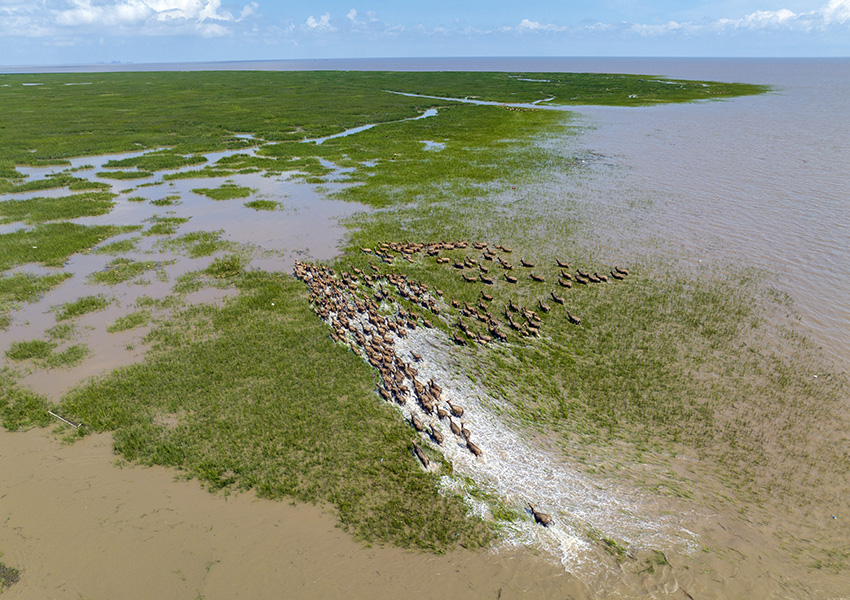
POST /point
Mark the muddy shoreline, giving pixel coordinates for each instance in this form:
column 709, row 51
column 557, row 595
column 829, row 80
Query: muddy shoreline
column 77, row 524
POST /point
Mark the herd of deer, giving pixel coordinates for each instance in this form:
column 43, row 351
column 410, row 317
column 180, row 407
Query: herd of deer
column 354, row 304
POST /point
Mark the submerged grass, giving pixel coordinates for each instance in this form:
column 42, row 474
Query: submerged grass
column 25, row 287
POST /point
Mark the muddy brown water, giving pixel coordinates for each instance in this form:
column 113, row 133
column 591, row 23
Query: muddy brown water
column 78, row 526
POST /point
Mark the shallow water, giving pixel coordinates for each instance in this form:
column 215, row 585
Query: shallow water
column 305, row 225
column 761, row 181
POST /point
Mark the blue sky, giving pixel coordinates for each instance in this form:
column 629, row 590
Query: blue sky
column 52, row 32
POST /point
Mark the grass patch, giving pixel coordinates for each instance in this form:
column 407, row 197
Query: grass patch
column 227, row 191
column 8, row 576
column 156, row 161
column 51, row 244
column 167, row 201
column 121, row 270
column 34, row 349
column 26, row 287
column 41, row 210
column 136, row 199
column 164, row 225
column 139, row 318
column 243, row 417
column 82, row 306
column 119, row 247
column 124, row 175
column 20, row 408
column 198, row 244
column 226, row 267
column 62, row 331
column 69, row 357
column 263, row 205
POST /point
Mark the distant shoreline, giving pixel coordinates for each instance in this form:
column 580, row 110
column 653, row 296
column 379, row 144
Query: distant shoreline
column 660, row 65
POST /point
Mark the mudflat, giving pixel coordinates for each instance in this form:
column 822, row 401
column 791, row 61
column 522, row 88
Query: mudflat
column 78, row 525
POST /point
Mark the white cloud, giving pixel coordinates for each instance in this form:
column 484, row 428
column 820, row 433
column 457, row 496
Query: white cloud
column 529, row 25
column 323, row 23
column 837, row 11
column 655, row 30
column 131, row 12
column 248, row 10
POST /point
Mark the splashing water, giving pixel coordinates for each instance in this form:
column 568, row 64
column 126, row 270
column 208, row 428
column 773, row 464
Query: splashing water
column 520, row 473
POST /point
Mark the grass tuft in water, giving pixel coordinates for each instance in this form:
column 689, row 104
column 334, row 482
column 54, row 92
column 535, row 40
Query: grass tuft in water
column 263, row 205
column 227, row 191
column 121, row 270
column 138, row 318
column 81, row 306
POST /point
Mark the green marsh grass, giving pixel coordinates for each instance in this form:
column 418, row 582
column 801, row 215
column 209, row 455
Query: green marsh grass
column 69, row 357
column 41, row 210
column 263, row 205
column 61, row 331
column 81, row 306
column 264, row 400
column 156, row 161
column 167, row 201
column 51, row 244
column 121, row 270
column 662, row 363
column 206, row 110
column 8, row 576
column 123, row 175
column 20, row 408
column 139, row 318
column 164, row 225
column 25, row 287
column 197, row 243
column 34, row 349
column 227, row 191
column 119, row 247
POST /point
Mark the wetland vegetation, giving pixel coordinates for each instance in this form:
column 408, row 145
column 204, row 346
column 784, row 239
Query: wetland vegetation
column 253, row 394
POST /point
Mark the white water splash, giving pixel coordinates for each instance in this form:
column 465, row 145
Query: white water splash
column 520, row 473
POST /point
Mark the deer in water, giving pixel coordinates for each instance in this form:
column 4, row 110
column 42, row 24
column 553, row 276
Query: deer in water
column 541, row 517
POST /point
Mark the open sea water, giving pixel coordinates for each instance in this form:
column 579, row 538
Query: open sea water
column 760, row 181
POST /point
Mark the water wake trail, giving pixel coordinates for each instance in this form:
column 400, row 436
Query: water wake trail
column 520, row 473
